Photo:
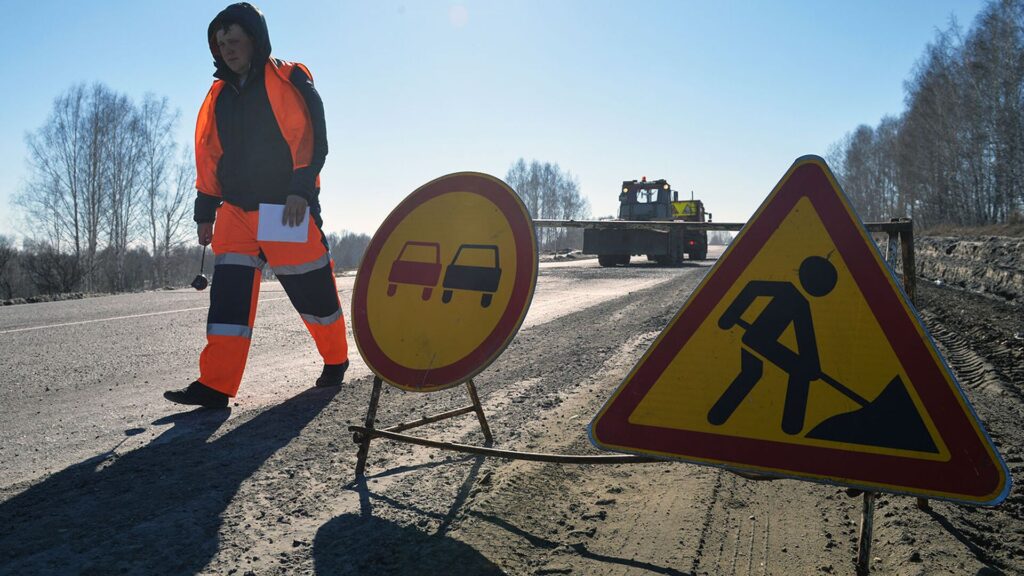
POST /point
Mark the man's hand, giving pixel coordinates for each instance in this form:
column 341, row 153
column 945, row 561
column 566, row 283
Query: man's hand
column 294, row 210
column 205, row 232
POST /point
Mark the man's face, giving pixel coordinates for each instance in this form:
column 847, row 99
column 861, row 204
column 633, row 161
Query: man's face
column 235, row 48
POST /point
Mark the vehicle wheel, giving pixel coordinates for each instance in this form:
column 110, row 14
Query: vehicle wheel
column 623, row 260
column 606, row 260
column 392, row 289
column 446, row 296
column 427, row 292
column 485, row 300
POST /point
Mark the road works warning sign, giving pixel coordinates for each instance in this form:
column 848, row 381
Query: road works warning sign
column 445, row 282
column 798, row 356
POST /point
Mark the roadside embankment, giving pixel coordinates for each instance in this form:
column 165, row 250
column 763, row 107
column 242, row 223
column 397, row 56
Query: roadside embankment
column 991, row 265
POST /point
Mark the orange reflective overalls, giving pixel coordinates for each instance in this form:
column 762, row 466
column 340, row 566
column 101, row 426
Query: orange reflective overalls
column 305, row 270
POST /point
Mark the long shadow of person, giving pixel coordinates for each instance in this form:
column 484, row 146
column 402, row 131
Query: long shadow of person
column 155, row 510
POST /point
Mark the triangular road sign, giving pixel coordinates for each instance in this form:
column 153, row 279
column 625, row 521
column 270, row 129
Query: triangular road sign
column 798, row 356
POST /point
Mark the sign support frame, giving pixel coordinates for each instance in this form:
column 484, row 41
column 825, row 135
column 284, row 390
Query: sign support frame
column 363, row 436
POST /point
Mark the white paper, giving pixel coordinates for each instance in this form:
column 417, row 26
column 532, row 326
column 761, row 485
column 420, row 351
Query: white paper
column 271, row 229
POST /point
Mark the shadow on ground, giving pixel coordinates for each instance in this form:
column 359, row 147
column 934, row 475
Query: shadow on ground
column 368, row 546
column 363, row 544
column 155, row 510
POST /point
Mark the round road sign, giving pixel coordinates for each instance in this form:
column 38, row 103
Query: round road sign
column 445, row 282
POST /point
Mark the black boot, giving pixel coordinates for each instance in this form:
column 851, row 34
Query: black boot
column 198, row 394
column 333, row 374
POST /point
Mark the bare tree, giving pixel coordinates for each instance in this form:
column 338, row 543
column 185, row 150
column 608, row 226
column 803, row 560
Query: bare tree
column 96, row 195
column 347, row 248
column 123, row 163
column 52, row 201
column 521, row 178
column 548, row 192
column 174, row 214
column 156, row 120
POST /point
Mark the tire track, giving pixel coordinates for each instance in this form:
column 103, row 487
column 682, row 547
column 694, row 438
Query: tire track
column 705, row 530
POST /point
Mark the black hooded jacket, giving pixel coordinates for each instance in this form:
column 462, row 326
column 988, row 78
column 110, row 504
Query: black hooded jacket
column 256, row 165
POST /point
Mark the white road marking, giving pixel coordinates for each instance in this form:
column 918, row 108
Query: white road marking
column 262, row 300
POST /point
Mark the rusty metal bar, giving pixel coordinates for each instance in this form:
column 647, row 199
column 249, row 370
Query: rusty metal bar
column 898, row 226
column 891, row 246
column 364, row 440
column 509, row 454
column 867, row 524
column 530, row 456
column 479, row 409
column 638, row 224
column 431, row 419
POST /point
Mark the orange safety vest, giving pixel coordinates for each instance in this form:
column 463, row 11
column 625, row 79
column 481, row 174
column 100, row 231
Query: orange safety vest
column 285, row 99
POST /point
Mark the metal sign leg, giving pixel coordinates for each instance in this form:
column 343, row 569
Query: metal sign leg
column 867, row 524
column 364, row 439
column 479, row 409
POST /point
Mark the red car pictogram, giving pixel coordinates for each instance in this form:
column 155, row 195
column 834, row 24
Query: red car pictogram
column 416, row 272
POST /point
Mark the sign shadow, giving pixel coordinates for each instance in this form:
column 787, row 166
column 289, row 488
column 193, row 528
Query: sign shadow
column 364, row 544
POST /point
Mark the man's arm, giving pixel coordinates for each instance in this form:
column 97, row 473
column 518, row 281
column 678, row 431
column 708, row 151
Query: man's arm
column 303, row 185
column 204, row 215
column 208, row 152
column 304, row 179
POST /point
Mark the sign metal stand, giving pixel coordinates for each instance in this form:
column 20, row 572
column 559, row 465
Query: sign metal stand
column 364, row 435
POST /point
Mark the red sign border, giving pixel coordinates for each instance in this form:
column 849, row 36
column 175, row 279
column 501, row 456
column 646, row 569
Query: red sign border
column 975, row 473
column 512, row 207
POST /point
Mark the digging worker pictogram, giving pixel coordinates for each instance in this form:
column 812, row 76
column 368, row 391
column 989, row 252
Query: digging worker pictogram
column 787, row 306
column 261, row 137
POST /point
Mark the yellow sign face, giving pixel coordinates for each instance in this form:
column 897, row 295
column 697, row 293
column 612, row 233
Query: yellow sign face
column 445, row 282
column 852, row 348
column 799, row 356
column 684, row 208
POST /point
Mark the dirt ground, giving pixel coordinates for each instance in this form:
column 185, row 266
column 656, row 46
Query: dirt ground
column 271, row 491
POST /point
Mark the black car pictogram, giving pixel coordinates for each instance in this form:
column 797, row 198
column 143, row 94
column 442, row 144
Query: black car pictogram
column 470, row 277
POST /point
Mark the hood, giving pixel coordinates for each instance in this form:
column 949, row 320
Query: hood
column 252, row 21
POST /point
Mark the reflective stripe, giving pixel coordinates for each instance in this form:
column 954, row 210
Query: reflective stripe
column 239, row 260
column 228, row 330
column 303, row 268
column 322, row 320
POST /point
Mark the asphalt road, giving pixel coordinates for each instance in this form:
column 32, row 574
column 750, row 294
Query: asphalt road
column 85, row 377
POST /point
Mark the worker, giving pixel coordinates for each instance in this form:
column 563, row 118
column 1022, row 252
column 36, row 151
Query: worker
column 786, row 306
column 261, row 138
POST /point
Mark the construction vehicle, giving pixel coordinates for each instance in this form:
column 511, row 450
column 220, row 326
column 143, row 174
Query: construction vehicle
column 653, row 201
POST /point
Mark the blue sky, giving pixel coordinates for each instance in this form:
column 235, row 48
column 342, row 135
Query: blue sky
column 717, row 97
